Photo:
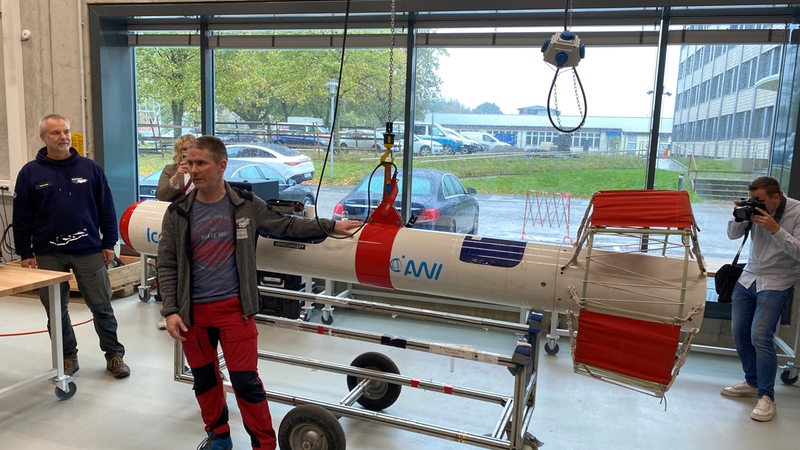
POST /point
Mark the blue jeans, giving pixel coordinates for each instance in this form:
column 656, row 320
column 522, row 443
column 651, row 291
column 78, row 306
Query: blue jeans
column 93, row 283
column 754, row 318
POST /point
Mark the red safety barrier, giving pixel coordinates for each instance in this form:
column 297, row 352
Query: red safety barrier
column 547, row 209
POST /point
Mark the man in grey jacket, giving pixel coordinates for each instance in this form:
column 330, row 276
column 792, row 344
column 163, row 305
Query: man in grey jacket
column 207, row 281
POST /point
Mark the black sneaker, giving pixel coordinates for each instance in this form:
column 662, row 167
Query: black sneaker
column 117, row 367
column 70, row 366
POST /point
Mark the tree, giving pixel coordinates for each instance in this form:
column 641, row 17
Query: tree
column 441, row 105
column 271, row 85
column 488, row 108
column 169, row 76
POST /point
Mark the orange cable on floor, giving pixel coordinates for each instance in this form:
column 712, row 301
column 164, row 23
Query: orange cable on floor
column 25, row 333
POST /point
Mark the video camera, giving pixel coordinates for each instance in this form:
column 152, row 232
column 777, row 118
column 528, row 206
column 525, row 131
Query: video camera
column 747, row 209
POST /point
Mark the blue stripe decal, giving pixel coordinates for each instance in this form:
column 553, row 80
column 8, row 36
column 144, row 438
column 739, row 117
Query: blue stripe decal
column 491, row 252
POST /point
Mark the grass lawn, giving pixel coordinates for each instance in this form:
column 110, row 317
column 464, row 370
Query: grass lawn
column 581, row 174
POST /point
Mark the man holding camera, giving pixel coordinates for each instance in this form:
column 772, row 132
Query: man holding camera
column 765, row 286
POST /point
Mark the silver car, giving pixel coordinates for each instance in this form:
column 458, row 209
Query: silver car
column 288, row 162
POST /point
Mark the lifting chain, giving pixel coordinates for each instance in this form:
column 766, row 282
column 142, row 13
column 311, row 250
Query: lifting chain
column 391, row 60
column 388, row 136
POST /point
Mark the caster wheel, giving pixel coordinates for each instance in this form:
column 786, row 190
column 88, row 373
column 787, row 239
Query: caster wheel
column 787, row 378
column 327, row 319
column 65, row 395
column 144, row 295
column 551, row 349
column 310, row 427
column 379, row 395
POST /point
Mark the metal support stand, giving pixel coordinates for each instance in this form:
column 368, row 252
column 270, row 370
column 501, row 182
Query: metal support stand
column 146, row 279
column 510, row 431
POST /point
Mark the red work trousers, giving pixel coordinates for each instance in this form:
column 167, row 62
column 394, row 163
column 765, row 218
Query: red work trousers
column 222, row 322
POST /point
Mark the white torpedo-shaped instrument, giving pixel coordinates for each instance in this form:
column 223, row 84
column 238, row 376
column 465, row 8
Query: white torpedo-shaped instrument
column 502, row 271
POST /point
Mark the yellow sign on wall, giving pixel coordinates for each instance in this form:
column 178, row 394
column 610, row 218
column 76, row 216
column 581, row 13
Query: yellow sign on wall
column 77, row 142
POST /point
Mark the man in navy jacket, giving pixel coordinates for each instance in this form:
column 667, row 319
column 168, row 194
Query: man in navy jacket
column 64, row 219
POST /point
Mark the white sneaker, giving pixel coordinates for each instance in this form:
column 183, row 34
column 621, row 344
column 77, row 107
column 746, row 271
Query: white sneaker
column 162, row 323
column 764, row 410
column 740, row 390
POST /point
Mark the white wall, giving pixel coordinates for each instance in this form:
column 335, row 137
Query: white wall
column 53, row 76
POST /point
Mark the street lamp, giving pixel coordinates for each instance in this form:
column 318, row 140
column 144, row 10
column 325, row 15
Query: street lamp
column 655, row 104
column 332, row 86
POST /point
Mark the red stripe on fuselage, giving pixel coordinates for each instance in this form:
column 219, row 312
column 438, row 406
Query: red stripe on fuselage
column 125, row 223
column 373, row 254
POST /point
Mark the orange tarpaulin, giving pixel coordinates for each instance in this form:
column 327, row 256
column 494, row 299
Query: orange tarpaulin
column 642, row 208
column 637, row 348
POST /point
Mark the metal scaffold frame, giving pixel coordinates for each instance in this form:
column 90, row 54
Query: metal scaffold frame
column 509, row 432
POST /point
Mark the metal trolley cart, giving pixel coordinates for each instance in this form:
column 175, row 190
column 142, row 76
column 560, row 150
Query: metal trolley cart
column 148, row 277
column 374, row 381
column 15, row 279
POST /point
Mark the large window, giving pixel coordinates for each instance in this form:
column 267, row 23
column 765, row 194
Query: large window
column 722, row 108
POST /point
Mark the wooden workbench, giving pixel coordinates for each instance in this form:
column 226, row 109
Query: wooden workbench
column 14, row 280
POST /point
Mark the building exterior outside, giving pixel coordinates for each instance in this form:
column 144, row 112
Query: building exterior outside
column 536, row 133
column 726, row 101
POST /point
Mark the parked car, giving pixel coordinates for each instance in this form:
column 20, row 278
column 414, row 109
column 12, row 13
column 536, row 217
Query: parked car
column 361, row 139
column 427, row 147
column 428, row 132
column 288, row 162
column 468, row 145
column 301, row 135
column 438, row 200
column 422, row 147
column 242, row 170
column 487, row 141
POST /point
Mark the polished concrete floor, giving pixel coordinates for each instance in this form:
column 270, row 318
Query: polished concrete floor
column 151, row 411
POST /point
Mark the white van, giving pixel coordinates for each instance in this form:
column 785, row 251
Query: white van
column 487, row 141
column 431, row 132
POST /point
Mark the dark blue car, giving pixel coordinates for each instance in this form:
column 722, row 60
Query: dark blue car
column 438, row 200
column 244, row 172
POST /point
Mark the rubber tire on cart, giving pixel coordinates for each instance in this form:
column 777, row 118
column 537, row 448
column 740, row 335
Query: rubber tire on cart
column 311, row 427
column 787, row 378
column 551, row 349
column 327, row 317
column 144, row 295
column 66, row 395
column 379, row 395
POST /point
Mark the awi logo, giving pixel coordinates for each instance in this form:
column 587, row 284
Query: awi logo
column 416, row 269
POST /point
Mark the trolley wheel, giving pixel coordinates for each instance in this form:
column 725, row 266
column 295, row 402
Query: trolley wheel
column 551, row 349
column 787, row 378
column 378, row 395
column 327, row 319
column 65, row 395
column 310, row 427
column 144, row 295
